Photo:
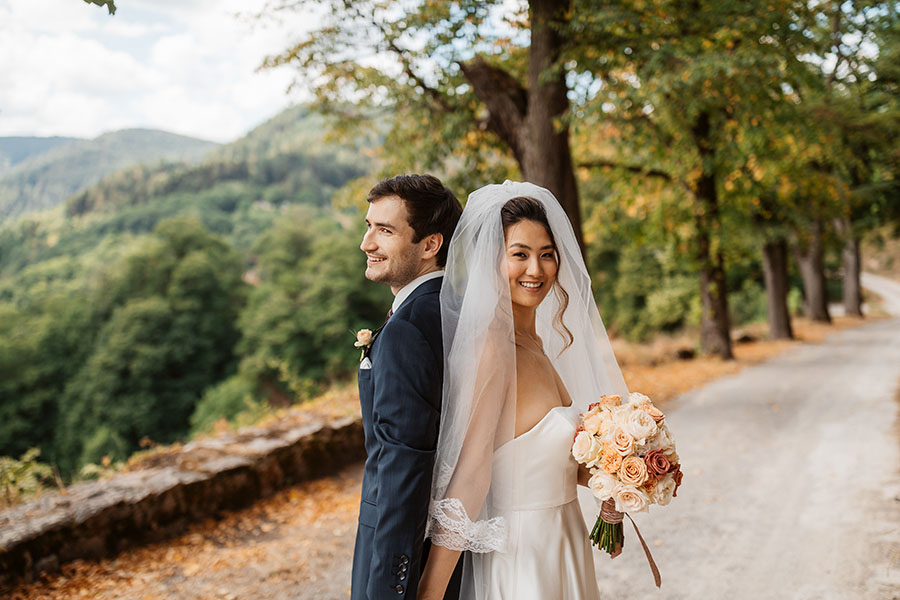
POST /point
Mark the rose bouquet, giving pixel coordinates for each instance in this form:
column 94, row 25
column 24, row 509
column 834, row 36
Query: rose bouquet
column 631, row 456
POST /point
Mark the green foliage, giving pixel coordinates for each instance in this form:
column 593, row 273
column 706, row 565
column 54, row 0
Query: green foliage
column 103, row 446
column 22, row 478
column 121, row 309
column 748, row 304
column 312, row 291
column 227, row 400
column 169, row 312
column 109, row 4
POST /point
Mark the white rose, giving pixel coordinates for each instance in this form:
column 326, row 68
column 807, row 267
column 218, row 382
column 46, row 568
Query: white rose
column 638, row 399
column 630, row 499
column 363, row 338
column 620, row 414
column 662, row 441
column 640, row 426
column 602, row 485
column 664, row 490
column 622, row 441
column 586, row 449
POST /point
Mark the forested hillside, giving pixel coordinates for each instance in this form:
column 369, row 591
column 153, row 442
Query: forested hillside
column 43, row 172
column 170, row 295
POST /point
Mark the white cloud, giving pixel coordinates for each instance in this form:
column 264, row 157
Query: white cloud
column 189, row 66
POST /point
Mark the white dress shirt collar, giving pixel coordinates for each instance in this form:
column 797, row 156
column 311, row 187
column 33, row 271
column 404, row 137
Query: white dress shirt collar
column 408, row 289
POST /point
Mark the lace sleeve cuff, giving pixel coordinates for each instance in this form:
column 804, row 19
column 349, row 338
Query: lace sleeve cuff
column 449, row 526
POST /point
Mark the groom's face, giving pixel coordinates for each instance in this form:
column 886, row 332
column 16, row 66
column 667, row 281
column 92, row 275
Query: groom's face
column 391, row 255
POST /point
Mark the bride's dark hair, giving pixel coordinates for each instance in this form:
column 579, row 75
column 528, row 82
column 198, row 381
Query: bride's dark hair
column 524, row 208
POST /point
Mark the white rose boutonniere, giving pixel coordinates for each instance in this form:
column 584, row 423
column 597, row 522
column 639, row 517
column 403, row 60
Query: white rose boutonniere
column 364, row 339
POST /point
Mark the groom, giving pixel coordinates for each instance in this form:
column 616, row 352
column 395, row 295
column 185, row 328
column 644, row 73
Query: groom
column 408, row 227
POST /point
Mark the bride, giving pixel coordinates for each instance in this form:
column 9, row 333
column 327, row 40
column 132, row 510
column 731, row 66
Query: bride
column 525, row 354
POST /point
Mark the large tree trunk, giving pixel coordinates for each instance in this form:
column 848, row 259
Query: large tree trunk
column 715, row 323
column 775, row 271
column 850, row 262
column 809, row 254
column 526, row 118
column 547, row 157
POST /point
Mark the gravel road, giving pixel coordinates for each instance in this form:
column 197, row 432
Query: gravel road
column 792, row 484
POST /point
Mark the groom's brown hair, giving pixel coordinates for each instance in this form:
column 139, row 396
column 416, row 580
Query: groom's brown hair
column 432, row 207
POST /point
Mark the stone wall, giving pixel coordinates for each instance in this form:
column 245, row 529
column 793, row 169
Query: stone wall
column 169, row 491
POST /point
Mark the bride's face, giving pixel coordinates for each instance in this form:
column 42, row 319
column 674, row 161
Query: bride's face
column 531, row 261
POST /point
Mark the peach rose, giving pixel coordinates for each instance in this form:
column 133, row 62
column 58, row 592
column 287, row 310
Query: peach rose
column 633, row 471
column 611, row 461
column 602, row 485
column 630, row 499
column 592, row 423
column 610, row 401
column 622, row 442
column 657, row 463
column 586, row 449
column 363, row 338
column 655, row 414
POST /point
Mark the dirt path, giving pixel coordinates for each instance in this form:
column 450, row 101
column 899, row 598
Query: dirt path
column 295, row 545
column 792, row 485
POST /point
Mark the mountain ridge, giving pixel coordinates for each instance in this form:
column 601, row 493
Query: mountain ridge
column 45, row 179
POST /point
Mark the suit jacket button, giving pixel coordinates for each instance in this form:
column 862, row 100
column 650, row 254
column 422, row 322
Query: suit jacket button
column 404, row 559
column 403, row 568
column 402, row 576
column 399, row 589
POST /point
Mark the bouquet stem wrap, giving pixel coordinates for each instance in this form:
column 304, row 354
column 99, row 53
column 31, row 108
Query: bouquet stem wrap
column 607, row 535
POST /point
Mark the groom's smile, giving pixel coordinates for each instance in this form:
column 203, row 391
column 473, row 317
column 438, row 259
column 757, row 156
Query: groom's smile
column 391, row 255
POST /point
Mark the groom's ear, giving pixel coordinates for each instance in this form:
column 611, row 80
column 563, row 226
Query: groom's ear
column 432, row 245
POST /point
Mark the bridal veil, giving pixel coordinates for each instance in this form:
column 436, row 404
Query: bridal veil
column 479, row 393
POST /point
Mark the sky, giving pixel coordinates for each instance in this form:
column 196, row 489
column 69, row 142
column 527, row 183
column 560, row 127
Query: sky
column 185, row 66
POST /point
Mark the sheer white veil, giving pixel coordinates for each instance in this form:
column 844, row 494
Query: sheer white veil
column 479, row 393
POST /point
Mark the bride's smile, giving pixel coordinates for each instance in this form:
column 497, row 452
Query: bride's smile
column 531, row 263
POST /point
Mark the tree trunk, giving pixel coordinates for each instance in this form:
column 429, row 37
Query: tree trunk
column 526, row 119
column 547, row 157
column 852, row 289
column 812, row 269
column 715, row 323
column 776, row 277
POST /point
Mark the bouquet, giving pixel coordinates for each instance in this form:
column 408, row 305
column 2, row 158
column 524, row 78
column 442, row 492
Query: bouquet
column 633, row 463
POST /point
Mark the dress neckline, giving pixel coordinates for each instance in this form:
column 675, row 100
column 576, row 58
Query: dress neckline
column 533, row 428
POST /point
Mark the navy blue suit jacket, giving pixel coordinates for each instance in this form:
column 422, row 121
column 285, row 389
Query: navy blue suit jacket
column 400, row 398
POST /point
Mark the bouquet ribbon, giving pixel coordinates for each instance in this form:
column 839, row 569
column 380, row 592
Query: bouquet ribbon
column 609, row 514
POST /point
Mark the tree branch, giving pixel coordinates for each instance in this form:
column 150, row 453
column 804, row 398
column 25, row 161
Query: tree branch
column 434, row 94
column 505, row 98
column 639, row 169
column 594, row 164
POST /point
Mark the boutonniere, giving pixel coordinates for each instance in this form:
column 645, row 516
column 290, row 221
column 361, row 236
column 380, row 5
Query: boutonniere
column 364, row 340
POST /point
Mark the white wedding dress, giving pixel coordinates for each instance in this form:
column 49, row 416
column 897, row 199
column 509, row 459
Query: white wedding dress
column 548, row 555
